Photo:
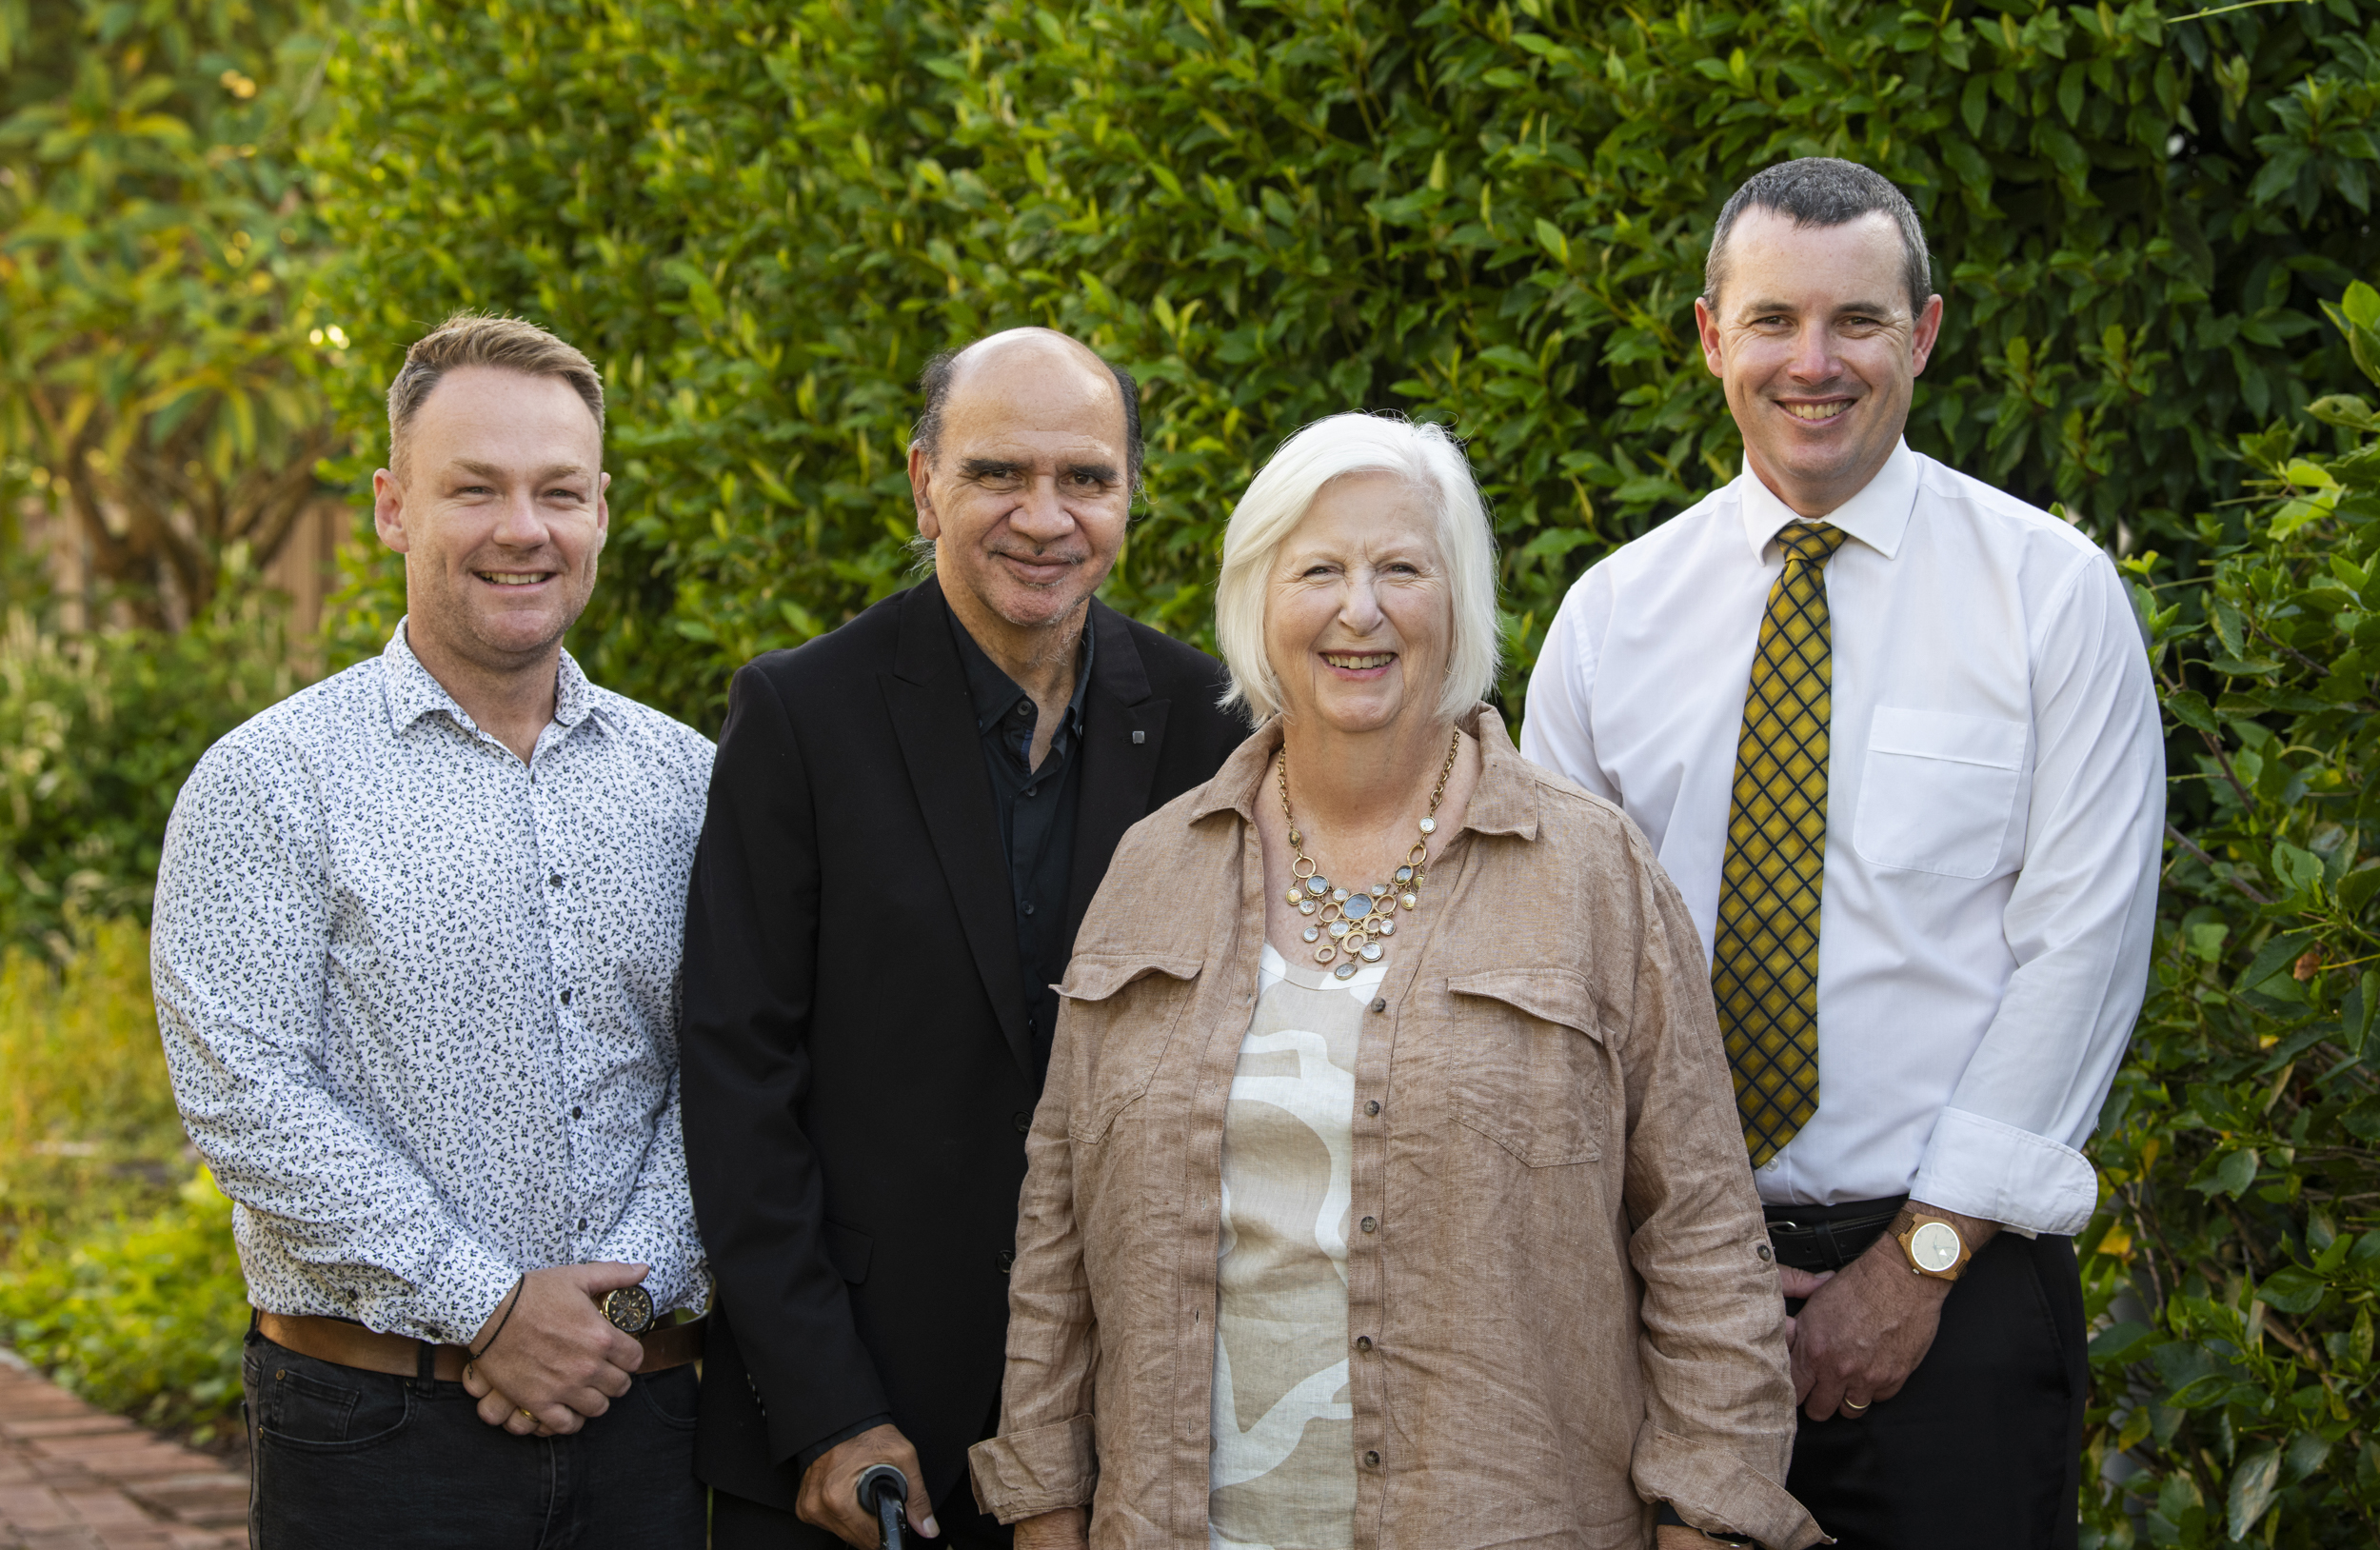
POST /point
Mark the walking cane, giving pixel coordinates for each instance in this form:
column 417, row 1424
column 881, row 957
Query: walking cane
column 884, row 1491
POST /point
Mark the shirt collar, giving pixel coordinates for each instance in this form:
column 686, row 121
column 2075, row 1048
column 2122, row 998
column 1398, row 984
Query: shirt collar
column 1877, row 516
column 995, row 694
column 413, row 691
column 1505, row 800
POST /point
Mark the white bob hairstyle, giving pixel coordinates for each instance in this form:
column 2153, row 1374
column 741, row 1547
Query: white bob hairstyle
column 1426, row 458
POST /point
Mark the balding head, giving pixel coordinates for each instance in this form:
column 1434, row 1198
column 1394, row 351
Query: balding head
column 1036, row 362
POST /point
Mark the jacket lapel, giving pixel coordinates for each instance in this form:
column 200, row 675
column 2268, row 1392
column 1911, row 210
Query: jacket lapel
column 1118, row 771
column 934, row 720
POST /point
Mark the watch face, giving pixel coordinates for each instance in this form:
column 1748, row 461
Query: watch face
column 1934, row 1247
column 629, row 1308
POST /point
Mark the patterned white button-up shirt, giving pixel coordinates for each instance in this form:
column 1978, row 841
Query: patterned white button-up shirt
column 420, row 999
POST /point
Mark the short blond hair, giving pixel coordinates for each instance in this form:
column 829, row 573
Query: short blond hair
column 479, row 339
column 1427, row 459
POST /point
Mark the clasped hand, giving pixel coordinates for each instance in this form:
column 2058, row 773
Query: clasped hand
column 1865, row 1327
column 554, row 1355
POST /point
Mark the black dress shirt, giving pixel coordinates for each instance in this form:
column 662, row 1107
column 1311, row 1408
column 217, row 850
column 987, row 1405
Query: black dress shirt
column 1036, row 809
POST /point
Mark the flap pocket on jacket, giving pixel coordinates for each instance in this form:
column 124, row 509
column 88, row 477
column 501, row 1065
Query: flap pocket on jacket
column 1937, row 790
column 1119, row 1015
column 848, row 1250
column 1532, row 1074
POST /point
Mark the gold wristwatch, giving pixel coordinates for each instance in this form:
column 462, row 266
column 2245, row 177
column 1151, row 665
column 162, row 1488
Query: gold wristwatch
column 1933, row 1247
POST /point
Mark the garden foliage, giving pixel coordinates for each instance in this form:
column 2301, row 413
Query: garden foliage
column 2238, row 1245
column 761, row 219
column 157, row 382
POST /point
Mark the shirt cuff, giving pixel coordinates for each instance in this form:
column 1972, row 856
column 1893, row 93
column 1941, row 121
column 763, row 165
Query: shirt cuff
column 1981, row 1167
column 824, row 1445
column 453, row 1301
column 1020, row 1475
column 1714, row 1487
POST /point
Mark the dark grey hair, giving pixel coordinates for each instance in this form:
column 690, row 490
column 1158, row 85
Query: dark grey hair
column 934, row 382
column 1820, row 190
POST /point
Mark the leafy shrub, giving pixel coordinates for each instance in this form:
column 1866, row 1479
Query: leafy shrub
column 762, row 219
column 117, row 1270
column 2238, row 1246
column 97, row 733
column 143, row 1316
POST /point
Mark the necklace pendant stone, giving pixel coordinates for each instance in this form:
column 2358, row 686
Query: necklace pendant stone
column 1429, row 826
column 1358, row 907
column 1404, row 874
column 1296, row 894
column 1318, row 885
column 1379, row 890
column 1386, row 925
column 1310, row 934
column 1411, row 900
column 1345, row 971
column 1305, row 906
column 1339, row 928
column 1338, row 895
column 1372, row 952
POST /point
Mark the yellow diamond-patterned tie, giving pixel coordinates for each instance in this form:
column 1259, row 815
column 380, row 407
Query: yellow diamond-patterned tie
column 1764, row 961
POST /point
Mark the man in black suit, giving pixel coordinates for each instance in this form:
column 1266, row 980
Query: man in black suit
column 908, row 818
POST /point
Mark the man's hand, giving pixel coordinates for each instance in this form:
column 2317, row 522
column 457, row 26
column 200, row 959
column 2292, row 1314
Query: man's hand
column 1068, row 1528
column 1865, row 1327
column 830, row 1488
column 558, row 1358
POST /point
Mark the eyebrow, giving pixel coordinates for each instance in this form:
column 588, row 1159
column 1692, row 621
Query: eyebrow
column 490, row 471
column 1761, row 308
column 994, row 467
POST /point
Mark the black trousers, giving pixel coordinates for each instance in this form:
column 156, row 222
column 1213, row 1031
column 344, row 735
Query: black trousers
column 1982, row 1447
column 363, row 1461
column 741, row 1524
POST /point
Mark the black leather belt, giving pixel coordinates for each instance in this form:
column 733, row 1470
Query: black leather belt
column 1828, row 1236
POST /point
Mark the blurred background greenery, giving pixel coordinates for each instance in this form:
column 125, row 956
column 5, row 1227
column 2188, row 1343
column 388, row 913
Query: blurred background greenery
column 220, row 222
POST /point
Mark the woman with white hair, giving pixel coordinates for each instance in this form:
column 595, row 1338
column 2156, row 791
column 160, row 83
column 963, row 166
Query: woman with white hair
column 1387, row 1190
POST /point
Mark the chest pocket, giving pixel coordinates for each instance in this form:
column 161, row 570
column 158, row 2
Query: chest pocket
column 1937, row 790
column 1531, row 1076
column 1120, row 1013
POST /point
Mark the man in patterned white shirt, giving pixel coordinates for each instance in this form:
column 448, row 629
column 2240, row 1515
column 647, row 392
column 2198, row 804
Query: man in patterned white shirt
column 416, row 956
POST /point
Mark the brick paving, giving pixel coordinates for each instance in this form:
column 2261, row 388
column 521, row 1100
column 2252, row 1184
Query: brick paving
column 72, row 1477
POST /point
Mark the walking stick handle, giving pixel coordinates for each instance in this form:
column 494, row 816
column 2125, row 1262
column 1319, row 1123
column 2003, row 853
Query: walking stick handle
column 885, row 1492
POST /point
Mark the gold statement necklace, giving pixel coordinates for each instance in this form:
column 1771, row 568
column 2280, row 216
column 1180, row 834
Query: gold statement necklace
column 1350, row 925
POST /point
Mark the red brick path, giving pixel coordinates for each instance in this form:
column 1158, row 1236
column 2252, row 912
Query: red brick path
column 72, row 1477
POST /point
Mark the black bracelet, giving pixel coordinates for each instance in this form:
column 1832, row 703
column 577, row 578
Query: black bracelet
column 510, row 1304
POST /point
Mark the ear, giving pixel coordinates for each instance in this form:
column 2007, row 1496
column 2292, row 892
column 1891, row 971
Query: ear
column 922, row 495
column 389, row 511
column 1707, row 326
column 603, row 511
column 1929, row 328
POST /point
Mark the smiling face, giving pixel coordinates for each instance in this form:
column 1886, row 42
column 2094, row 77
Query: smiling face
column 1359, row 615
column 1814, row 337
column 500, row 516
column 1028, row 492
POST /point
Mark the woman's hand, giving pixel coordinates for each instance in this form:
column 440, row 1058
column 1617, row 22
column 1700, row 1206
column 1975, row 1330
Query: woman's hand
column 1068, row 1528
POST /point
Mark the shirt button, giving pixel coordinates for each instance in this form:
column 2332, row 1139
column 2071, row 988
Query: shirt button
column 1372, row 1107
column 581, row 1224
column 554, row 881
column 1028, row 906
column 1024, row 707
column 1372, row 1460
column 1766, row 1253
column 1364, row 1342
column 1032, row 791
column 575, row 1113
column 565, row 996
column 1024, row 1121
column 1371, row 1224
column 1380, row 1006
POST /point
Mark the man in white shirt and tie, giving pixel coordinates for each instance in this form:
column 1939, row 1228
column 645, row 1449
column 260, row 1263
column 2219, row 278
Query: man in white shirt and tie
column 1892, row 732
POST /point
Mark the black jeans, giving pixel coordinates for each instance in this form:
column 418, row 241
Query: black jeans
column 1982, row 1446
column 361, row 1460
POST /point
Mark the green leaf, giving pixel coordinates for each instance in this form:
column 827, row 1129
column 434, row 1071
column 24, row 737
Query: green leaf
column 2252, row 1486
column 2292, row 1290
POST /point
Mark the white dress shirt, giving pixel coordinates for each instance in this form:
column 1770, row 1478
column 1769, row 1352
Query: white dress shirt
column 420, row 999
column 1995, row 801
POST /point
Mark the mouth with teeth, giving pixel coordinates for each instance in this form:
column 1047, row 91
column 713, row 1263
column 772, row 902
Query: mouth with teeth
column 1817, row 413
column 1359, row 661
column 513, row 578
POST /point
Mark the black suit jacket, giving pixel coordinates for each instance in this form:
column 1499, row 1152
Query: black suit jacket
column 857, row 1072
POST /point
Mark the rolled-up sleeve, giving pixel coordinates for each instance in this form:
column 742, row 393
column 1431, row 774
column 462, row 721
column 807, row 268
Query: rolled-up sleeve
column 1719, row 1428
column 2079, row 923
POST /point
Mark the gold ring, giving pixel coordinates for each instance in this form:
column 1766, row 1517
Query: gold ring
column 1849, row 1404
column 524, row 1414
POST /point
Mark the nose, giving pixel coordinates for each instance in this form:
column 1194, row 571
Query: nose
column 517, row 525
column 1039, row 515
column 1814, row 352
column 1360, row 607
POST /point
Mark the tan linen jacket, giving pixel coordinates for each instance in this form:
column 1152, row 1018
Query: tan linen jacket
column 1560, row 1294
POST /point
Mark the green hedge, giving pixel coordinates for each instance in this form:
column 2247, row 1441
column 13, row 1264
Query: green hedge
column 760, row 220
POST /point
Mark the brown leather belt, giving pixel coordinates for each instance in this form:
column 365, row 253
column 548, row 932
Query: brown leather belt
column 352, row 1346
